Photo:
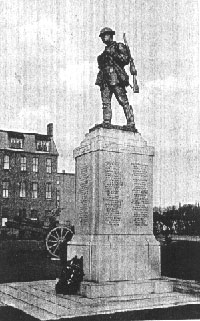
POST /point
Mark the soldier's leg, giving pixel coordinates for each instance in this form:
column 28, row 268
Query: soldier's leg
column 106, row 95
column 121, row 96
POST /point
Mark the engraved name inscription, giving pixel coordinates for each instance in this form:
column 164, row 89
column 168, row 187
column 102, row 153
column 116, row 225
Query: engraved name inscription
column 140, row 201
column 83, row 192
column 112, row 201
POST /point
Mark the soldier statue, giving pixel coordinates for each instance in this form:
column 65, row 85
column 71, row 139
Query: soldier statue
column 112, row 77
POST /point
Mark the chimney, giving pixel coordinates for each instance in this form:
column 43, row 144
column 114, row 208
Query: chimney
column 63, row 171
column 50, row 129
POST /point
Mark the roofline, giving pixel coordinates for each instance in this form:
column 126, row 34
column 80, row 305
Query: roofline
column 13, row 131
column 65, row 173
column 7, row 149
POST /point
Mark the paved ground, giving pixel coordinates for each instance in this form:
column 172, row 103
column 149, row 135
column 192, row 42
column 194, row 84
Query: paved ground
column 38, row 301
column 175, row 313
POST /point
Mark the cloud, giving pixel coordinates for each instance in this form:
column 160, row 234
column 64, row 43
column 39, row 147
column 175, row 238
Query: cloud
column 31, row 119
column 173, row 83
column 76, row 74
column 45, row 30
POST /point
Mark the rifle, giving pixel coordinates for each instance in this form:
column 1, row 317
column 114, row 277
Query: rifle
column 133, row 71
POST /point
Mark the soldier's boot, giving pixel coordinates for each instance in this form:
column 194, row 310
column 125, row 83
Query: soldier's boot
column 128, row 111
column 107, row 115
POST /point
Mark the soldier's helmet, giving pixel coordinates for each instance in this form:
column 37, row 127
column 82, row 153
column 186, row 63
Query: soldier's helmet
column 106, row 30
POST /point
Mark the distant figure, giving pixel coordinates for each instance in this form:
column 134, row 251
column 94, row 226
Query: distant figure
column 166, row 232
column 112, row 77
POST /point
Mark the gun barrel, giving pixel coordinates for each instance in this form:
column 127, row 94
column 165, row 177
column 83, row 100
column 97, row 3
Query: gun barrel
column 133, row 70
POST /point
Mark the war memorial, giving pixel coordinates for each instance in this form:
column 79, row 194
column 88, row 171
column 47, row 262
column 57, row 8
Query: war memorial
column 113, row 222
column 114, row 198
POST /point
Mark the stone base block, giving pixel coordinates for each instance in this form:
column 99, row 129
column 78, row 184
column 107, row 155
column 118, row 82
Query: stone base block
column 117, row 257
column 124, row 288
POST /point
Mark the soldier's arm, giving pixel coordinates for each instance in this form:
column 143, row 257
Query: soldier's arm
column 121, row 54
column 101, row 59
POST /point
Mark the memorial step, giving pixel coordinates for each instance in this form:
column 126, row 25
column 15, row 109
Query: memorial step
column 187, row 286
column 124, row 288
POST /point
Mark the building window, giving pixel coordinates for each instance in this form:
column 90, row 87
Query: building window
column 48, row 190
column 22, row 191
column 58, row 180
column 23, row 163
column 34, row 190
column 5, row 189
column 5, row 216
column 47, row 217
column 57, row 198
column 6, row 162
column 35, row 164
column 48, row 214
column 16, row 143
column 22, row 213
column 42, row 145
column 34, row 214
column 48, row 165
column 4, row 221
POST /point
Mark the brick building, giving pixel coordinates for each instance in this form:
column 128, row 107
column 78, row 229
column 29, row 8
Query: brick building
column 66, row 196
column 28, row 174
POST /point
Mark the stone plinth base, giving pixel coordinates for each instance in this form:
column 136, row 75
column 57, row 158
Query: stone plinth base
column 114, row 213
column 117, row 257
column 124, row 288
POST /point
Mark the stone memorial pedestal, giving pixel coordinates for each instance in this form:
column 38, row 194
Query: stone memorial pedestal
column 114, row 215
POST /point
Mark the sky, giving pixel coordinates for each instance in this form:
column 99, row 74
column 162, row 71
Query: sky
column 48, row 67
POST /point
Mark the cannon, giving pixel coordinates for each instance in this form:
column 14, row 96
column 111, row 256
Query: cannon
column 53, row 234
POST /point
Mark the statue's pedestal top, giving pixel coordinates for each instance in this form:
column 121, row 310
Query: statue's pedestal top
column 126, row 128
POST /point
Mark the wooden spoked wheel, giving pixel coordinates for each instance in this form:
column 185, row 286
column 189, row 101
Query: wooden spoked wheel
column 55, row 237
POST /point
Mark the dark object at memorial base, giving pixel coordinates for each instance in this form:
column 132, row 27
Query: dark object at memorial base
column 71, row 277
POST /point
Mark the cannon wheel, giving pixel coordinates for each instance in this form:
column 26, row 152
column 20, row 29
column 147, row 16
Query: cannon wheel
column 54, row 238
